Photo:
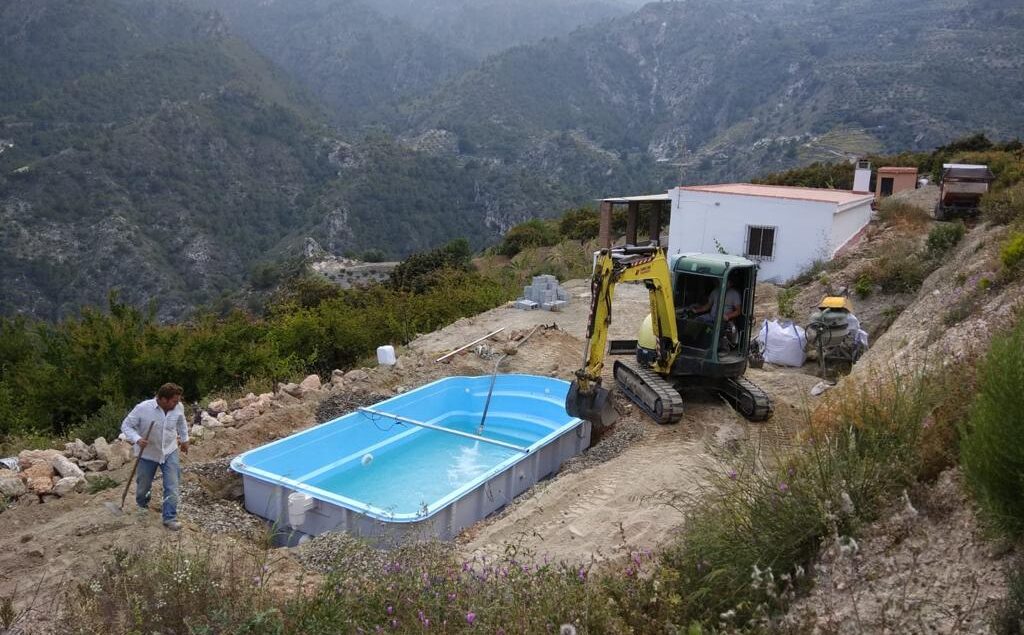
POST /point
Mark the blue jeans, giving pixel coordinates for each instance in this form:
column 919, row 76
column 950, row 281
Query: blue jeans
column 170, row 470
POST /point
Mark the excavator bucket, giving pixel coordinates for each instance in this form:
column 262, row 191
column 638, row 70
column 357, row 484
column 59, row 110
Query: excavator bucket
column 594, row 405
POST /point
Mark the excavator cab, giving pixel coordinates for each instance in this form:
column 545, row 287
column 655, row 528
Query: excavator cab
column 713, row 297
column 697, row 333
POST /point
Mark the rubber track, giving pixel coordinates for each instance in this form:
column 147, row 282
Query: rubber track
column 655, row 392
column 748, row 398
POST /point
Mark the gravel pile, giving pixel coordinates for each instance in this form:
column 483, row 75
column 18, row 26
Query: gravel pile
column 626, row 431
column 341, row 403
column 210, row 500
column 356, row 557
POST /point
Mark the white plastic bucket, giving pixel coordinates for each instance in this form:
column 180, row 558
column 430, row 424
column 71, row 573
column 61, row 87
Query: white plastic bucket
column 386, row 355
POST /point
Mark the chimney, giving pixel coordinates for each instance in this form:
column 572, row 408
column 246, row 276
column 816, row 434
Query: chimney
column 862, row 176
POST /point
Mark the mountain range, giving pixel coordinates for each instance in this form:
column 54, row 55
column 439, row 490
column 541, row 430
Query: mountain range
column 171, row 149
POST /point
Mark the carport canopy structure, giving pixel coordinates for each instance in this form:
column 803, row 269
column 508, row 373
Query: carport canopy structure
column 660, row 207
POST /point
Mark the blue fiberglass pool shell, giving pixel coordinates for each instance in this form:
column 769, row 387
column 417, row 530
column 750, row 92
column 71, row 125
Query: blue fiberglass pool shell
column 373, row 474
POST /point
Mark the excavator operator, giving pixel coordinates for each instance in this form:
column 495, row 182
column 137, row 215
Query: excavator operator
column 733, row 304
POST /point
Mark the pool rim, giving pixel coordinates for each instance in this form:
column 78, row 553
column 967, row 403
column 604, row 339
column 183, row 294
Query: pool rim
column 430, row 509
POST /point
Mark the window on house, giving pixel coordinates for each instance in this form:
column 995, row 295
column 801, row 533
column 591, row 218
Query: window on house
column 760, row 242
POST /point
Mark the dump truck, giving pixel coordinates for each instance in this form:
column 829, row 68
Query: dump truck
column 960, row 189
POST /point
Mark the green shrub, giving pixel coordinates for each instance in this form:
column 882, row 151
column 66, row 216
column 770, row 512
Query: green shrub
column 105, row 422
column 786, row 301
column 532, row 233
column 1003, row 207
column 895, row 212
column 864, row 286
column 901, row 269
column 99, row 483
column 1012, row 253
column 420, row 271
column 580, row 224
column 373, row 255
column 943, row 237
column 992, row 449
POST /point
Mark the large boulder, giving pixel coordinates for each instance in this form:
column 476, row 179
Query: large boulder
column 27, row 458
column 356, row 375
column 68, row 484
column 66, row 468
column 292, row 389
column 40, row 484
column 208, row 421
column 337, row 377
column 116, row 454
column 243, row 402
column 12, row 486
column 310, row 384
column 246, row 414
column 80, row 450
column 94, row 466
column 217, row 406
column 40, row 470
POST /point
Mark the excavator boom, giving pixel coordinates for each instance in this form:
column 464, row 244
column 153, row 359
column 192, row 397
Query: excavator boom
column 587, row 399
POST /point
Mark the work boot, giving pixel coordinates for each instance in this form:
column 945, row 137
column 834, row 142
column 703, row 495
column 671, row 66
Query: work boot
column 173, row 525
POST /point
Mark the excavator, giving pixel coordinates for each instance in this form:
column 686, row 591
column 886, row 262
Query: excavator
column 675, row 347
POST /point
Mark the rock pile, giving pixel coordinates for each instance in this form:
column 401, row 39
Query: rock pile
column 58, row 473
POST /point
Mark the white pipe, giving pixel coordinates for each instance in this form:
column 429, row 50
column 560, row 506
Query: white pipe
column 429, row 426
column 462, row 348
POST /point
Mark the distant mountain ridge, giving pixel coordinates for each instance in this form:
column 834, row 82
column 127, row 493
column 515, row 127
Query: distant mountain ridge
column 726, row 89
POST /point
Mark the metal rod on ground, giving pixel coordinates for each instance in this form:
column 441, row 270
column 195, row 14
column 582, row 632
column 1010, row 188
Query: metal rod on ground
column 462, row 348
column 430, row 426
column 135, row 467
column 494, row 376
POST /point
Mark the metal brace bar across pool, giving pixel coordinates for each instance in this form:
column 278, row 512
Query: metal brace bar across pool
column 431, row 426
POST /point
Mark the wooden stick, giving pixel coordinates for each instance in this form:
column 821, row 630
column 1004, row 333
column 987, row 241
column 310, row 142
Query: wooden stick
column 136, row 466
column 462, row 348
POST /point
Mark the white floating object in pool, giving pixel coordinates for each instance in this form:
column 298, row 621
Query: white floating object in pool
column 386, row 355
column 367, row 458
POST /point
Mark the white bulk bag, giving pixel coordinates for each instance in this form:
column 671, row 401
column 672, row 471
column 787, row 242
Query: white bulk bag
column 783, row 343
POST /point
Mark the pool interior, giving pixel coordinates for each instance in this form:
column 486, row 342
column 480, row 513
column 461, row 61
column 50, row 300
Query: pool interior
column 404, row 469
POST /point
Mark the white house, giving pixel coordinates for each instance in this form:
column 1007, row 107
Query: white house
column 784, row 228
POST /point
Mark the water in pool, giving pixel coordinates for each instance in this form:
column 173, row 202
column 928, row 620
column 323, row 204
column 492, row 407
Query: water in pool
column 427, row 465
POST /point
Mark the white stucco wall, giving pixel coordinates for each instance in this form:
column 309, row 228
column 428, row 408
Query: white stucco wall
column 847, row 222
column 804, row 234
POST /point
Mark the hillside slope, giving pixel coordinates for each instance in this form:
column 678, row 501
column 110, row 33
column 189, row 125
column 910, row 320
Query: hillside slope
column 728, row 90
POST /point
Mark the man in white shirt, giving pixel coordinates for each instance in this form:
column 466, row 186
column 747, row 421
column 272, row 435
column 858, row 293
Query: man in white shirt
column 157, row 428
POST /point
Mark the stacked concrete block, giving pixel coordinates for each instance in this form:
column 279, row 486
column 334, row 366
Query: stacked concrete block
column 543, row 293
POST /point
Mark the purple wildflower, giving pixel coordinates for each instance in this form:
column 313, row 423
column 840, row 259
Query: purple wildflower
column 470, row 618
column 732, row 475
column 783, row 487
column 391, row 610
